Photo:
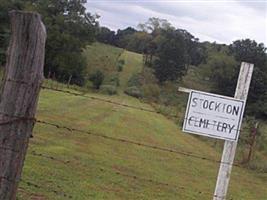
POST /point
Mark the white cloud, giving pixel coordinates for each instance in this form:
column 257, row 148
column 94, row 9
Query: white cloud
column 220, row 21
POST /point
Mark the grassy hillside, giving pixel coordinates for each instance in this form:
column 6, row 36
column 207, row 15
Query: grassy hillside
column 72, row 165
column 103, row 57
column 63, row 164
column 133, row 64
column 106, row 58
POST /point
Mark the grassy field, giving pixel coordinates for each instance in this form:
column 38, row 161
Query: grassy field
column 63, row 164
column 74, row 165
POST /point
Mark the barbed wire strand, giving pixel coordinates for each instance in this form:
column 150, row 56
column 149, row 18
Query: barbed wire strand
column 189, row 154
column 68, row 162
column 60, row 193
column 117, row 103
column 35, row 185
column 105, row 100
column 135, row 177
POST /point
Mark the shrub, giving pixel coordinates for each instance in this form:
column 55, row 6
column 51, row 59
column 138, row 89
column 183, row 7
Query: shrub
column 122, row 62
column 97, row 78
column 151, row 91
column 120, row 65
column 119, row 68
column 148, row 76
column 135, row 81
column 134, row 92
column 258, row 165
column 108, row 89
column 112, row 80
column 88, row 85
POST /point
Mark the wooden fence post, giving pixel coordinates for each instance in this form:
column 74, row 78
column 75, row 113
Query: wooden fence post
column 68, row 84
column 19, row 96
column 253, row 141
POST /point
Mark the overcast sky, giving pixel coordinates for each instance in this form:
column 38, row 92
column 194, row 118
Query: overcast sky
column 222, row 21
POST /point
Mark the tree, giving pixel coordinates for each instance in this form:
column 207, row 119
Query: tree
column 69, row 29
column 222, row 69
column 105, row 35
column 250, row 51
column 154, row 28
column 123, row 36
column 155, row 24
column 223, row 64
column 196, row 53
column 97, row 78
column 138, row 41
column 149, row 51
column 6, row 6
column 170, row 58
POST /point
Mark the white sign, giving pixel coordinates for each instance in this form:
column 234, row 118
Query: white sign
column 213, row 115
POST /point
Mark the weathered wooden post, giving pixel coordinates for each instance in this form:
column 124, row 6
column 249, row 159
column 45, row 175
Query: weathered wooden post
column 229, row 150
column 19, row 96
column 68, row 84
column 253, row 141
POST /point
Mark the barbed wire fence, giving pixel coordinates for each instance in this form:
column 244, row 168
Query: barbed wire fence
column 20, row 95
column 17, row 119
column 108, row 169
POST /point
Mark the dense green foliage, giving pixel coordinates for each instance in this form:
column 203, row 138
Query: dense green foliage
column 5, row 6
column 222, row 67
column 105, row 35
column 171, row 52
column 108, row 89
column 133, row 91
column 69, row 29
column 252, row 52
column 171, row 57
column 97, row 78
column 168, row 50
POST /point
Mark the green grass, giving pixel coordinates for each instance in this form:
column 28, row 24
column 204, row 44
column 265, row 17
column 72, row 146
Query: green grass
column 99, row 168
column 81, row 166
column 133, row 64
column 103, row 57
column 106, row 58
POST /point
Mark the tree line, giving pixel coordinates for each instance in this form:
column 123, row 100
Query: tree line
column 168, row 51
